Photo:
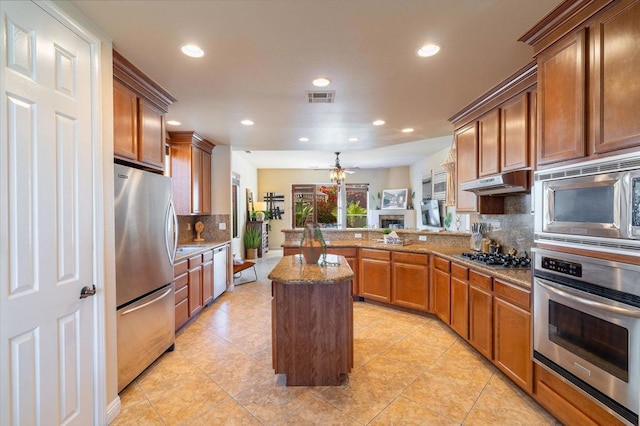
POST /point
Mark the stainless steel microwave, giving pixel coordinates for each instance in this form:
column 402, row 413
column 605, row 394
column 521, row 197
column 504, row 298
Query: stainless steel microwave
column 593, row 203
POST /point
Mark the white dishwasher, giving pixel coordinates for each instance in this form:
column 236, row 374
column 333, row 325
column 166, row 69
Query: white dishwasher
column 220, row 270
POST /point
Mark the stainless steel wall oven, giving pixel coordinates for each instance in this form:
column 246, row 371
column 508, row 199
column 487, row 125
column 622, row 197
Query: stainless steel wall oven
column 587, row 326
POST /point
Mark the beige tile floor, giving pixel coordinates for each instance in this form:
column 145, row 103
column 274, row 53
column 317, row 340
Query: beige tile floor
column 409, row 369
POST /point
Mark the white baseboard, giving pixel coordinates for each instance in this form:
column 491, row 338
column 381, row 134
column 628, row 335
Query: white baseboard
column 113, row 409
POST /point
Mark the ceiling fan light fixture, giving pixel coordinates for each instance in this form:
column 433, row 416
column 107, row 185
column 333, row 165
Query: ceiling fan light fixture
column 428, row 50
column 321, row 82
column 192, row 51
column 337, row 174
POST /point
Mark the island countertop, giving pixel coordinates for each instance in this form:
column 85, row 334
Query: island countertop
column 291, row 270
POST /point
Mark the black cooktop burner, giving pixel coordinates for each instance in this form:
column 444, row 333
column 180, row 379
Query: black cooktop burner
column 499, row 260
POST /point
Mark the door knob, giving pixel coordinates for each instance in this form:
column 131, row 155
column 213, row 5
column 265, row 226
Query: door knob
column 87, row 291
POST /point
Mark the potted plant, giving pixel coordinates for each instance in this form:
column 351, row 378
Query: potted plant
column 252, row 240
column 312, row 245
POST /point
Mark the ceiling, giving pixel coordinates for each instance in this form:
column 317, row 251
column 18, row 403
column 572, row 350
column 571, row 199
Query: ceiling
column 262, row 55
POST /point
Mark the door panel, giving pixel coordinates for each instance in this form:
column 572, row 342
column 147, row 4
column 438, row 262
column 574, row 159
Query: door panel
column 47, row 333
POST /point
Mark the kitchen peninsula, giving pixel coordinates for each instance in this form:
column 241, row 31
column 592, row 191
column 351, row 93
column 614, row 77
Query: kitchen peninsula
column 312, row 320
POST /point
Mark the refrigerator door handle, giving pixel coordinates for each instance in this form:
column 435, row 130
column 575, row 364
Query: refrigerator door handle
column 171, row 237
column 163, row 295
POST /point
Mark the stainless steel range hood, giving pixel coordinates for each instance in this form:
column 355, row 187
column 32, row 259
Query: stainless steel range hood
column 503, row 184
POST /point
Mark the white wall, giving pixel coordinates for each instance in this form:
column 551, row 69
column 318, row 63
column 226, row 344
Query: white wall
column 248, row 180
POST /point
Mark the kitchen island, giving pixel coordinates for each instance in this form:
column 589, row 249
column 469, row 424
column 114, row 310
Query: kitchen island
column 312, row 320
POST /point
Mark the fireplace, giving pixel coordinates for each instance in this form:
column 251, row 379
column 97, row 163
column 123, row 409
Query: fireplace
column 392, row 218
column 392, row 221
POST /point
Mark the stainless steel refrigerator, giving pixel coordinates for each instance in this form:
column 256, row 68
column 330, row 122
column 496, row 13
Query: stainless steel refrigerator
column 146, row 238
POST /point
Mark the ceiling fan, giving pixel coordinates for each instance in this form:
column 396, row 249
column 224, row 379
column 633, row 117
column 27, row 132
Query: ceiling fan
column 338, row 173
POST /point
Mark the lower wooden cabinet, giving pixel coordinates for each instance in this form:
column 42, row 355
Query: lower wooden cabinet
column 512, row 333
column 375, row 274
column 481, row 313
column 460, row 300
column 442, row 289
column 195, row 284
column 207, row 278
column 181, row 289
column 410, row 280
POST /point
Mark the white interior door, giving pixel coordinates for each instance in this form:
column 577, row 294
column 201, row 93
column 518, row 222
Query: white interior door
column 46, row 221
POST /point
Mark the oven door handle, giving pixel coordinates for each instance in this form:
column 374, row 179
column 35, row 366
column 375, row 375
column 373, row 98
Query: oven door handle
column 587, row 299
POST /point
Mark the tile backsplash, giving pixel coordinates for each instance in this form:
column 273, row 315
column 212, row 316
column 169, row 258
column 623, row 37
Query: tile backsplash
column 514, row 229
column 212, row 231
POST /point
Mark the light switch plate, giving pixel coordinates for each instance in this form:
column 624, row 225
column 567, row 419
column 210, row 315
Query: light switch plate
column 422, row 237
column 357, row 235
column 222, row 226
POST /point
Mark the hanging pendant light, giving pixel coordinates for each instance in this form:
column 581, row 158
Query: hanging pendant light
column 337, row 174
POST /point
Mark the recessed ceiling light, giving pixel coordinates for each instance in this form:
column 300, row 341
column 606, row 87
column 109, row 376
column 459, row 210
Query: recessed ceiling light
column 321, row 82
column 303, row 139
column 353, row 139
column 407, row 130
column 192, row 50
column 173, row 123
column 379, row 122
column 247, row 122
column 428, row 50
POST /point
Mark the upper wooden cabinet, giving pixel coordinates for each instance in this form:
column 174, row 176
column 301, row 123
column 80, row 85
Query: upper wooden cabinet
column 466, row 166
column 190, row 168
column 139, row 106
column 587, row 57
column 489, row 143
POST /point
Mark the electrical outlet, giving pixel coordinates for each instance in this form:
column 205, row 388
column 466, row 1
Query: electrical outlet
column 188, row 227
column 357, row 235
column 222, row 226
column 422, row 237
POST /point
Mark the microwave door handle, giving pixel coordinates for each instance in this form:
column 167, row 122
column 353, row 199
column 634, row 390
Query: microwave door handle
column 586, row 299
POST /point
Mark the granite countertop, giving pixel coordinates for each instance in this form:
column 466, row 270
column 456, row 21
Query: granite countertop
column 187, row 250
column 291, row 271
column 519, row 277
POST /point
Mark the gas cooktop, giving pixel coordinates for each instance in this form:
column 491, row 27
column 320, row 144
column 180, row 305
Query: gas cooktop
column 499, row 260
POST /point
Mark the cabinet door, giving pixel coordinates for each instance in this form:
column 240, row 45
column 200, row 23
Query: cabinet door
column 125, row 122
column 195, row 290
column 196, row 180
column 460, row 307
column 206, row 183
column 561, row 100
column 442, row 295
column 207, row 282
column 353, row 264
column 512, row 346
column 615, row 67
column 467, row 167
column 489, row 143
column 375, row 278
column 410, row 285
column 481, row 320
column 514, row 135
column 151, row 139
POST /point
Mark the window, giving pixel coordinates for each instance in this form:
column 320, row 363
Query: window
column 315, row 204
column 357, row 206
column 322, row 205
column 235, row 187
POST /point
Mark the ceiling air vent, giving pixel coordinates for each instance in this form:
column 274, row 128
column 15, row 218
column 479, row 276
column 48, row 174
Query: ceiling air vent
column 321, row 97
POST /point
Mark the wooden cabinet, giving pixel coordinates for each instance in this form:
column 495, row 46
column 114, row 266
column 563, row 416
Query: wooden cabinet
column 481, row 313
column 517, row 131
column 351, row 255
column 460, row 300
column 489, row 143
column 466, row 166
column 190, row 168
column 181, row 289
column 139, row 106
column 410, row 280
column 561, row 100
column 442, row 289
column 587, row 108
column 375, row 274
column 195, row 284
column 512, row 333
column 207, row 278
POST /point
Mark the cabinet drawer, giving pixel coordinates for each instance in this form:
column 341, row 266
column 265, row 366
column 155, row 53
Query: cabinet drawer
column 182, row 294
column 375, row 254
column 518, row 296
column 207, row 256
column 414, row 258
column 180, row 282
column 480, row 280
column 343, row 251
column 441, row 264
column 180, row 267
column 459, row 271
column 195, row 261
